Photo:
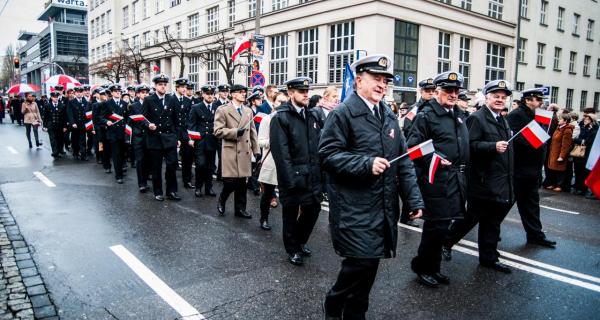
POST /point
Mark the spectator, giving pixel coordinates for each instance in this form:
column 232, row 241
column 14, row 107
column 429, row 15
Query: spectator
column 562, row 138
column 32, row 118
column 568, row 179
column 589, row 127
column 331, row 99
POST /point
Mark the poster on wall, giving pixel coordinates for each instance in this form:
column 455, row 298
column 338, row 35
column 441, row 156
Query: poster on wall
column 257, row 51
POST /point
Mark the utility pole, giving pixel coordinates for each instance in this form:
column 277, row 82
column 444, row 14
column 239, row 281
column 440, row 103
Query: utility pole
column 256, row 31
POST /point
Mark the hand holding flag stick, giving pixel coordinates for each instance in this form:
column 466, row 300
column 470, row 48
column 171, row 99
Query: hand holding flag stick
column 417, row 151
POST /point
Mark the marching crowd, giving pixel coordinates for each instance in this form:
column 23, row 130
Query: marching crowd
column 359, row 154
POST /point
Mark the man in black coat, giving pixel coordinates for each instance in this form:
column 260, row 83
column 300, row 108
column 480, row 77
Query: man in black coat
column 186, row 152
column 294, row 134
column 202, row 120
column 528, row 168
column 162, row 113
column 76, row 109
column 143, row 164
column 360, row 136
column 100, row 128
column 490, row 187
column 114, row 114
column 55, row 123
column 443, row 122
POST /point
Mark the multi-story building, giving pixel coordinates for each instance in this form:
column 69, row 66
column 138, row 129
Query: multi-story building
column 558, row 48
column 60, row 47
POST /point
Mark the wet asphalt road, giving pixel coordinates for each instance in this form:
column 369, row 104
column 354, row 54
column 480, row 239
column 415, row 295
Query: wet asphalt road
column 227, row 268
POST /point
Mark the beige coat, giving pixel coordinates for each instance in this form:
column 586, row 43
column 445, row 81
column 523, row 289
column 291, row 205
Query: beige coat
column 236, row 151
column 268, row 172
column 31, row 113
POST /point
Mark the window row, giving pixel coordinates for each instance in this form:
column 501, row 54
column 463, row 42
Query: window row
column 540, row 60
column 101, row 24
column 542, row 11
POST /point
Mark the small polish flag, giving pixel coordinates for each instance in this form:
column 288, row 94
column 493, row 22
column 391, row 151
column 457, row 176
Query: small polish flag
column 128, row 130
column 137, row 117
column 115, row 117
column 194, row 135
column 421, row 149
column 259, row 116
column 88, row 115
column 535, row 134
column 89, row 125
column 435, row 163
column 412, row 113
column 543, row 116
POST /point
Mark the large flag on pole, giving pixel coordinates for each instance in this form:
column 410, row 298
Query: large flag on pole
column 241, row 44
column 347, row 89
column 543, row 116
column 593, row 180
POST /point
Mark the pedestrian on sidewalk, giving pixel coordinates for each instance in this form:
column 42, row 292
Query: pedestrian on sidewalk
column 562, row 139
column 32, row 118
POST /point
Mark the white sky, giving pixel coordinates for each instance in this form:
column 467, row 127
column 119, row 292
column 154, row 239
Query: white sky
column 19, row 15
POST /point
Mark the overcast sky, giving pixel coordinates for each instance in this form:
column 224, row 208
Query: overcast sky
column 19, row 15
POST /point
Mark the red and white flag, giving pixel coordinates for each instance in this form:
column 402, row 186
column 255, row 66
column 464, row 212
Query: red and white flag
column 535, row 134
column 412, row 113
column 421, row 149
column 115, row 117
column 259, row 116
column 435, row 163
column 593, row 180
column 88, row 115
column 543, row 116
column 128, row 130
column 137, row 117
column 241, row 44
column 194, row 135
column 89, row 125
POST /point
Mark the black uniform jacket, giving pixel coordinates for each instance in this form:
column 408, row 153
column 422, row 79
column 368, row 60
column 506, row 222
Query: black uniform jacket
column 528, row 160
column 202, row 120
column 76, row 114
column 117, row 130
column 54, row 117
column 166, row 118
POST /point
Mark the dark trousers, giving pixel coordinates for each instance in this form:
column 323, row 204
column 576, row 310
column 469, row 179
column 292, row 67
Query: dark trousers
column 143, row 164
column 187, row 158
column 265, row 201
column 170, row 156
column 298, row 223
column 28, row 128
column 238, row 186
column 581, row 173
column 117, row 148
column 56, row 140
column 405, row 213
column 489, row 215
column 205, row 163
column 554, row 178
column 106, row 153
column 90, row 142
column 528, row 203
column 78, row 142
column 97, row 151
column 567, row 179
column 429, row 255
column 253, row 180
column 350, row 293
column 67, row 139
column 219, row 170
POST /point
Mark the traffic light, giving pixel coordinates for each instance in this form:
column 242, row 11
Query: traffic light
column 17, row 62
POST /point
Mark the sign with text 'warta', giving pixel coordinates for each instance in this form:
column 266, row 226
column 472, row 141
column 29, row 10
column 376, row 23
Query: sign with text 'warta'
column 72, row 3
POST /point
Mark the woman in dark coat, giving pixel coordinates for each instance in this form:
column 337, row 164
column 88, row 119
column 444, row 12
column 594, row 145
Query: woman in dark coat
column 562, row 139
column 586, row 138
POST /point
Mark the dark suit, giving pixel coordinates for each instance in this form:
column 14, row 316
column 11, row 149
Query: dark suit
column 162, row 142
column 90, row 135
column 115, row 134
column 202, row 120
column 103, row 144
column 55, row 120
column 76, row 116
column 185, row 151
column 143, row 163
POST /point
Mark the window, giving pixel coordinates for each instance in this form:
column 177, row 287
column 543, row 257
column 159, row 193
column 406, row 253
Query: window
column 125, row 43
column 156, row 36
column 495, row 9
column 177, row 30
column 212, row 19
column 160, row 6
column 108, row 24
column 445, row 1
column 252, row 7
column 406, row 43
column 279, row 55
column 543, row 9
column 134, row 16
column 443, row 64
column 125, row 16
column 596, row 101
column 175, row 3
column 583, row 100
column 524, row 8
column 522, row 50
column 464, row 57
column 576, row 24
column 279, row 4
column 520, row 86
column 212, row 69
column 586, row 65
column 136, row 43
column 554, row 95
column 92, row 29
column 557, row 54
column 466, row 4
column 71, row 44
column 572, row 58
column 145, row 9
column 569, row 103
column 559, row 21
column 541, row 47
column 93, row 55
column 598, row 69
column 102, row 23
column 494, row 62
column 341, row 49
column 231, row 11
column 193, row 22
column 308, row 54
column 109, row 49
column 590, row 30
column 146, row 38
column 193, row 68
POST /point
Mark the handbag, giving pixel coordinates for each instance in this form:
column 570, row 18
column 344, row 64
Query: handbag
column 578, row 151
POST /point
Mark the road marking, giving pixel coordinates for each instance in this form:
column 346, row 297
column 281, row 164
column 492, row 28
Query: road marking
column 12, row 150
column 162, row 289
column 44, row 179
column 559, row 210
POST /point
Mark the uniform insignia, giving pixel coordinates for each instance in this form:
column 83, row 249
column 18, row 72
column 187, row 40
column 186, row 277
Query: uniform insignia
column 315, row 125
column 429, row 81
column 392, row 135
column 383, row 62
column 305, row 82
column 502, row 84
column 452, row 76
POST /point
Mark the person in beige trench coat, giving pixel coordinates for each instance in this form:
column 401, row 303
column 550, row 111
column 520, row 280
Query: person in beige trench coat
column 32, row 118
column 235, row 126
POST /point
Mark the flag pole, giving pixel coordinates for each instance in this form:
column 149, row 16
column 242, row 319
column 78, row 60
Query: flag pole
column 398, row 158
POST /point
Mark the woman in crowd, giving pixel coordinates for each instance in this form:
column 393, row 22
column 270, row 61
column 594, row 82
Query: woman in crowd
column 586, row 137
column 32, row 118
column 562, row 139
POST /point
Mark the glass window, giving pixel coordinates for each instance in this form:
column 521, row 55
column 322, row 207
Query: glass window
column 541, row 47
column 212, row 69
column 576, row 18
column 175, row 3
column 495, row 9
column 443, row 52
column 341, row 49
column 466, row 4
column 193, row 22
column 252, row 7
column 231, row 11
column 554, row 95
column 524, row 8
column 569, row 103
column 193, row 68
column 279, row 4
column 495, row 62
column 590, row 30
column 522, row 50
column 212, row 19
column 464, row 58
column 406, row 43
column 279, row 55
column 543, row 9
column 71, row 44
column 308, row 54
column 586, row 65
column 572, row 59
column 559, row 21
column 134, row 17
column 125, row 16
column 557, row 54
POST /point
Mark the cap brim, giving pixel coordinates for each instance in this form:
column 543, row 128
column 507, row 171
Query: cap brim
column 385, row 73
column 508, row 92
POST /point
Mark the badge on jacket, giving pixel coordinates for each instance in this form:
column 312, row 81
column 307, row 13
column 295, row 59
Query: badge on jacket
column 392, row 135
column 459, row 120
column 315, row 125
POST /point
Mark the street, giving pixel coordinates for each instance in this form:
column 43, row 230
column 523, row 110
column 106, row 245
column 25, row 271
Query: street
column 105, row 251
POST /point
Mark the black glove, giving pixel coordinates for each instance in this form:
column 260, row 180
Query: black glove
column 240, row 132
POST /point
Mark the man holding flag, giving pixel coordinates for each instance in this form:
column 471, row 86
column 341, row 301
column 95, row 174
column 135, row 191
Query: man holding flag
column 440, row 120
column 528, row 163
column 113, row 112
column 143, row 164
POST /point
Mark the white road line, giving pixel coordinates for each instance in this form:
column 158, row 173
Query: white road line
column 162, row 289
column 12, row 150
column 44, row 179
column 559, row 210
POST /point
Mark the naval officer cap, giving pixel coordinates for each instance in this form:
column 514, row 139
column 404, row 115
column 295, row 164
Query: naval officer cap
column 130, row 88
column 142, row 87
column 190, row 86
column 300, row 83
column 181, row 82
column 115, row 87
column 463, row 96
column 78, row 89
column 102, row 91
column 254, row 96
column 238, row 87
column 376, row 64
column 427, row 84
column 449, row 79
column 208, row 89
column 533, row 93
column 86, row 87
column 258, row 88
column 54, row 94
column 223, row 88
column 160, row 78
column 498, row 85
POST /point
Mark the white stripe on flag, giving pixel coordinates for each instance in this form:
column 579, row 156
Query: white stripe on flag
column 594, row 152
column 427, row 147
column 538, row 131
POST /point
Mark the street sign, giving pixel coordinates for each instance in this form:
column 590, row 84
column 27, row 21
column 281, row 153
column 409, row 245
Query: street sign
column 410, row 79
column 546, row 91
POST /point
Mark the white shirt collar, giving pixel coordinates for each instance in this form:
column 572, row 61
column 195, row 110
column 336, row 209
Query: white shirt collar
column 298, row 109
column 494, row 114
column 368, row 103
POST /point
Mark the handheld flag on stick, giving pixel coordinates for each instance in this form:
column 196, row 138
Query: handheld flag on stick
column 259, row 116
column 593, row 180
column 115, row 117
column 128, row 130
column 412, row 113
column 137, row 117
column 435, row 163
column 194, row 135
column 534, row 134
column 543, row 116
column 89, row 125
column 88, row 115
column 417, row 151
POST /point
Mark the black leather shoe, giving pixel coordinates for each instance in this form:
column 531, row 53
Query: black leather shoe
column 305, row 251
column 188, row 185
column 440, row 278
column 143, row 189
column 544, row 242
column 120, row 181
column 498, row 266
column 446, row 253
column 427, row 280
column 221, row 207
column 295, row 259
column 328, row 315
column 173, row 196
column 243, row 214
column 198, row 193
column 107, row 171
column 265, row 225
column 159, row 198
column 209, row 192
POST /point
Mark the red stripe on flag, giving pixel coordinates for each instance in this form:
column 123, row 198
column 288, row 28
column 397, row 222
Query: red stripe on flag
column 542, row 119
column 243, row 46
column 415, row 152
column 593, row 180
column 435, row 162
column 532, row 138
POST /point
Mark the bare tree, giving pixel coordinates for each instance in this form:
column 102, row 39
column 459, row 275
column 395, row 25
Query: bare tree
column 173, row 46
column 136, row 62
column 113, row 68
column 8, row 72
column 220, row 50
